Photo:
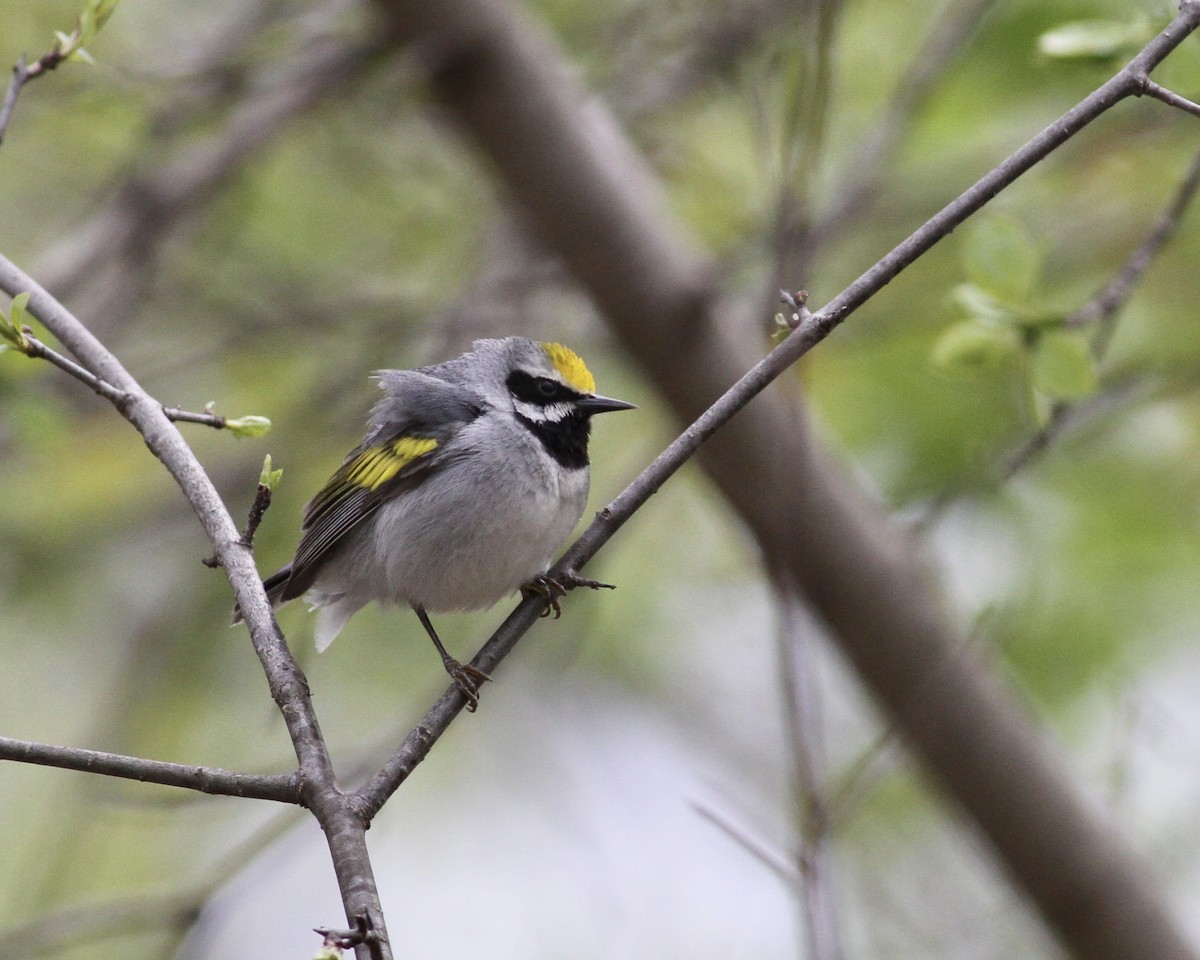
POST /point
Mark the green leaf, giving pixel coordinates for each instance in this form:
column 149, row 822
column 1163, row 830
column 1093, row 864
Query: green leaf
column 1095, row 40
column 977, row 303
column 269, row 478
column 19, row 312
column 1063, row 365
column 85, row 26
column 1002, row 259
column 249, row 426
column 10, row 326
column 102, row 10
column 972, row 349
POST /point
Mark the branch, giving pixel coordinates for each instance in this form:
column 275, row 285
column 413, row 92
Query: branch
column 21, row 75
column 33, row 347
column 1152, row 89
column 284, row 788
column 52, row 933
column 814, row 855
column 945, row 39
column 761, row 851
column 319, row 791
column 156, row 199
column 66, row 47
column 593, row 201
column 1103, row 310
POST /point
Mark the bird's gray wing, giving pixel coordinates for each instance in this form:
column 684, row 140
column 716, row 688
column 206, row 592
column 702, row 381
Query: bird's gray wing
column 405, row 444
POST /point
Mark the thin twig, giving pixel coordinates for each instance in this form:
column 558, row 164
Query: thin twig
column 38, row 350
column 770, row 858
column 859, row 777
column 1104, row 308
column 176, row 913
column 1159, row 92
column 258, row 509
column 53, row 934
column 803, row 142
column 950, row 30
column 21, row 75
column 283, row 788
column 207, row 419
column 802, row 723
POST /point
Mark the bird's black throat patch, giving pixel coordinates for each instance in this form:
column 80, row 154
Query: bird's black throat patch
column 566, row 440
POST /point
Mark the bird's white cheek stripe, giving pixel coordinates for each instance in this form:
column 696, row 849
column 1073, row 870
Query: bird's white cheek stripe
column 538, row 413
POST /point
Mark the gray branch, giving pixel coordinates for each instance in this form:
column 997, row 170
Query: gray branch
column 284, row 788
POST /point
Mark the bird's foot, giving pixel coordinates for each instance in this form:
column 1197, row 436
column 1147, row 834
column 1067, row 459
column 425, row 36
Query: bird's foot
column 467, row 678
column 555, row 588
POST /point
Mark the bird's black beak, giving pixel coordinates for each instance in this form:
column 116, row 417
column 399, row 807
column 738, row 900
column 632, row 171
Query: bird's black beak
column 591, row 405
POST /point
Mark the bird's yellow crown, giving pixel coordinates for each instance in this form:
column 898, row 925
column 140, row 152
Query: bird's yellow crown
column 568, row 363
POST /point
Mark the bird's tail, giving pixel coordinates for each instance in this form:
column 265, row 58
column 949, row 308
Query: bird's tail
column 274, row 585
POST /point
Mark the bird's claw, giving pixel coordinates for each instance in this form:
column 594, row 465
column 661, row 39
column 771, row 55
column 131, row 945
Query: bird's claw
column 467, row 679
column 553, row 589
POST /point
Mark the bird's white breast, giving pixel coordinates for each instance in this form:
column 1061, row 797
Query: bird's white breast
column 486, row 523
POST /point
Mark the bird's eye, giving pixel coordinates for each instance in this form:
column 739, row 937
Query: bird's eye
column 540, row 391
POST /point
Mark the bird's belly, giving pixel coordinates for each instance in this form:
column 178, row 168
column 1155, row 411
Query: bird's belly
column 470, row 547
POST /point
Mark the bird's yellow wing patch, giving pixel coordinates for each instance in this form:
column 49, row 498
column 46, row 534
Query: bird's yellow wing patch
column 375, row 466
column 568, row 363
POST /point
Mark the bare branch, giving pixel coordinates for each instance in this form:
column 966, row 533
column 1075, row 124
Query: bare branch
column 953, row 25
column 54, row 933
column 1104, row 308
column 38, row 350
column 283, row 788
column 1152, row 89
column 770, row 858
column 814, row 855
column 814, row 329
column 157, row 199
column 19, row 76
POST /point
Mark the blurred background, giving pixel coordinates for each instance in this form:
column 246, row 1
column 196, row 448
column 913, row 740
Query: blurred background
column 252, row 207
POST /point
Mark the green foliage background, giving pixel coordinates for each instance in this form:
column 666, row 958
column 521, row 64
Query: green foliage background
column 365, row 234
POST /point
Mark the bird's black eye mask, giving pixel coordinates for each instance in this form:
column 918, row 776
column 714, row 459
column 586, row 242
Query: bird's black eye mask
column 541, row 391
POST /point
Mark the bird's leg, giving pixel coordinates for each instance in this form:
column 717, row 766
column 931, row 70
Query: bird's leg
column 555, row 588
column 466, row 677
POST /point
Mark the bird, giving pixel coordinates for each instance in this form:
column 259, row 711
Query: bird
column 470, row 476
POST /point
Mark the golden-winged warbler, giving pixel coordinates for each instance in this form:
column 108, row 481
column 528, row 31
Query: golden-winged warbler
column 470, row 477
